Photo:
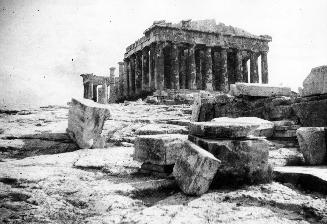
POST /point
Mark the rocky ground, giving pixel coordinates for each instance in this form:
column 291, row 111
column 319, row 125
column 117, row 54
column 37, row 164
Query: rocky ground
column 44, row 178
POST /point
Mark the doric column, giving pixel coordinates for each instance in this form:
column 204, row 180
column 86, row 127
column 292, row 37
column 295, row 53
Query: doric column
column 138, row 73
column 145, row 69
column 208, row 69
column 132, row 75
column 174, row 67
column 152, row 84
column 238, row 66
column 95, row 93
column 224, row 86
column 159, row 67
column 126, row 78
column 254, row 76
column 182, row 72
column 264, row 68
column 103, row 94
column 89, row 89
column 112, row 95
column 191, row 68
column 199, row 63
column 121, row 79
column 216, row 78
column 245, row 70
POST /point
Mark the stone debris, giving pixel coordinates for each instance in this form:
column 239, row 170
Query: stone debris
column 313, row 144
column 316, row 82
column 242, row 161
column 85, row 123
column 311, row 112
column 156, row 129
column 223, row 128
column 286, row 157
column 258, row 90
column 195, row 169
column 265, row 129
column 158, row 149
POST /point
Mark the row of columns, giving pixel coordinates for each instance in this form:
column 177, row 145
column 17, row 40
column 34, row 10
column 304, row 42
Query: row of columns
column 172, row 66
column 92, row 92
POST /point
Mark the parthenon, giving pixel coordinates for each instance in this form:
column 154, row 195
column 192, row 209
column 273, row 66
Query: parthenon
column 194, row 55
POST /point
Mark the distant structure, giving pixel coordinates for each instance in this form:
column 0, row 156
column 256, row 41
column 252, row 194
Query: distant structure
column 192, row 55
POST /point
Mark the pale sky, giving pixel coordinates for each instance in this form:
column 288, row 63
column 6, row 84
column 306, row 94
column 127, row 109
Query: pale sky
column 46, row 44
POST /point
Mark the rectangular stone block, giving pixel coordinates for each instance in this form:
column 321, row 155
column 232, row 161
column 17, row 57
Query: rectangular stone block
column 312, row 141
column 316, row 82
column 85, row 123
column 223, row 128
column 242, row 161
column 195, row 169
column 256, row 89
column 158, row 149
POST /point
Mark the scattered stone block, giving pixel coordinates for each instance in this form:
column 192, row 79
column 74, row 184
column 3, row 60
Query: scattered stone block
column 158, row 149
column 312, row 141
column 280, row 112
column 258, row 90
column 311, row 113
column 242, row 161
column 283, row 123
column 286, row 157
column 156, row 129
column 266, row 128
column 85, row 123
column 316, row 82
column 284, row 134
column 195, row 169
column 223, row 128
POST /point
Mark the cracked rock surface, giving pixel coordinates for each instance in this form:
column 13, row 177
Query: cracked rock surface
column 44, row 178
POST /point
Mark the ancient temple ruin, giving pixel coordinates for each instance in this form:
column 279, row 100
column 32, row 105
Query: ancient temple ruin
column 194, row 55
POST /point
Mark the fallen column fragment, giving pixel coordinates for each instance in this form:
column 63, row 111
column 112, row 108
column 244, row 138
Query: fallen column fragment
column 195, row 169
column 85, row 123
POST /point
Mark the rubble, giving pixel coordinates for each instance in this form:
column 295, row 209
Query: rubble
column 313, row 144
column 258, row 90
column 225, row 128
column 316, row 82
column 242, row 161
column 85, row 122
column 158, row 149
column 195, row 169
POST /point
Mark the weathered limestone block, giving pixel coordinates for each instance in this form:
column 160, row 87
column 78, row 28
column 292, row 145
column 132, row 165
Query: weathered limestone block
column 280, row 112
column 85, row 122
column 242, row 161
column 266, row 128
column 316, row 82
column 311, row 113
column 195, row 169
column 158, row 149
column 223, row 128
column 255, row 89
column 157, row 129
column 312, row 141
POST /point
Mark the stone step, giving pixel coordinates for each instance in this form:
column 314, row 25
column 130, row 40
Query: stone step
column 312, row 178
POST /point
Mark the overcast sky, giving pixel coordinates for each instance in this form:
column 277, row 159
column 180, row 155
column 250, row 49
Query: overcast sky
column 45, row 45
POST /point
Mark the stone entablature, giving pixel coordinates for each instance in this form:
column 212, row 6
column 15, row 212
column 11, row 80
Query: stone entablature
column 195, row 55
